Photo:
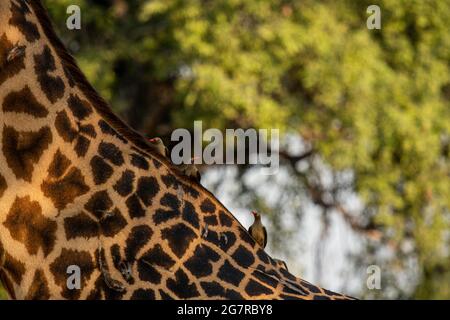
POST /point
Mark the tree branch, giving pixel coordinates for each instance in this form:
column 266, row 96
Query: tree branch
column 317, row 194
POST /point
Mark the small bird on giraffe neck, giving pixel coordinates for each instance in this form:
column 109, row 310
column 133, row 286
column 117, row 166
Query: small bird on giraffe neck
column 190, row 170
column 258, row 231
column 159, row 146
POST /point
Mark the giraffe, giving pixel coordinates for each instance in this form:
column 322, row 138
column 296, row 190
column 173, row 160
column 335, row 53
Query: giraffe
column 78, row 187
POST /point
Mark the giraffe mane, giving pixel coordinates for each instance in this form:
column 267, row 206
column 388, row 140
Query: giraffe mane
column 79, row 78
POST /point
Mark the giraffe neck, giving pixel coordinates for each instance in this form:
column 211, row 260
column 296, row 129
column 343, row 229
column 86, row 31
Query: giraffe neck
column 38, row 94
column 60, row 145
column 49, row 108
column 80, row 188
column 54, row 72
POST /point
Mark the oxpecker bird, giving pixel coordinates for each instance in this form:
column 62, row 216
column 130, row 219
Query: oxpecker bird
column 190, row 170
column 258, row 231
column 159, row 146
column 281, row 264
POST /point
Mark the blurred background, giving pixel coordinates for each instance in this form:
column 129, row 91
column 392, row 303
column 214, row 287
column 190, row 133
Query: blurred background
column 364, row 117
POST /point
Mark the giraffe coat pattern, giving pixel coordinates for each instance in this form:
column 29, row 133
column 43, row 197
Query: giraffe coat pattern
column 79, row 187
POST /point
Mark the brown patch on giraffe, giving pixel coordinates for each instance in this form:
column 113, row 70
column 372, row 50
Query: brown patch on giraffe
column 69, row 133
column 189, row 215
column 80, row 108
column 63, row 185
column 157, row 163
column 69, row 77
column 201, row 262
column 147, row 272
column 182, row 286
column 169, row 180
column 179, row 237
column 157, row 256
column 266, row 278
column 99, row 205
column 116, row 255
column 102, row 291
column 263, row 256
column 81, row 226
column 124, row 186
column 27, row 225
column 243, row 257
column 139, row 161
column 211, row 236
column 164, row 295
column 295, row 290
column 210, row 220
column 111, row 153
column 124, row 266
column 82, row 146
column 59, row 165
column 112, row 223
column 170, row 200
column 64, row 127
column 23, row 149
column 3, row 185
column 215, row 289
column 139, row 236
column 255, row 288
column 101, row 170
column 107, row 129
column 208, row 206
column 39, row 287
column 14, row 268
column 18, row 19
column 52, row 86
column 135, row 208
column 88, row 130
column 24, row 101
column 147, row 189
column 67, row 258
column 143, row 294
column 162, row 215
column 312, row 288
column 284, row 273
column 230, row 274
column 230, row 237
column 225, row 219
column 96, row 293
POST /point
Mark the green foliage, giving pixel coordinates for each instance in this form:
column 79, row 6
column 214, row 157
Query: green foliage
column 3, row 295
column 372, row 101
